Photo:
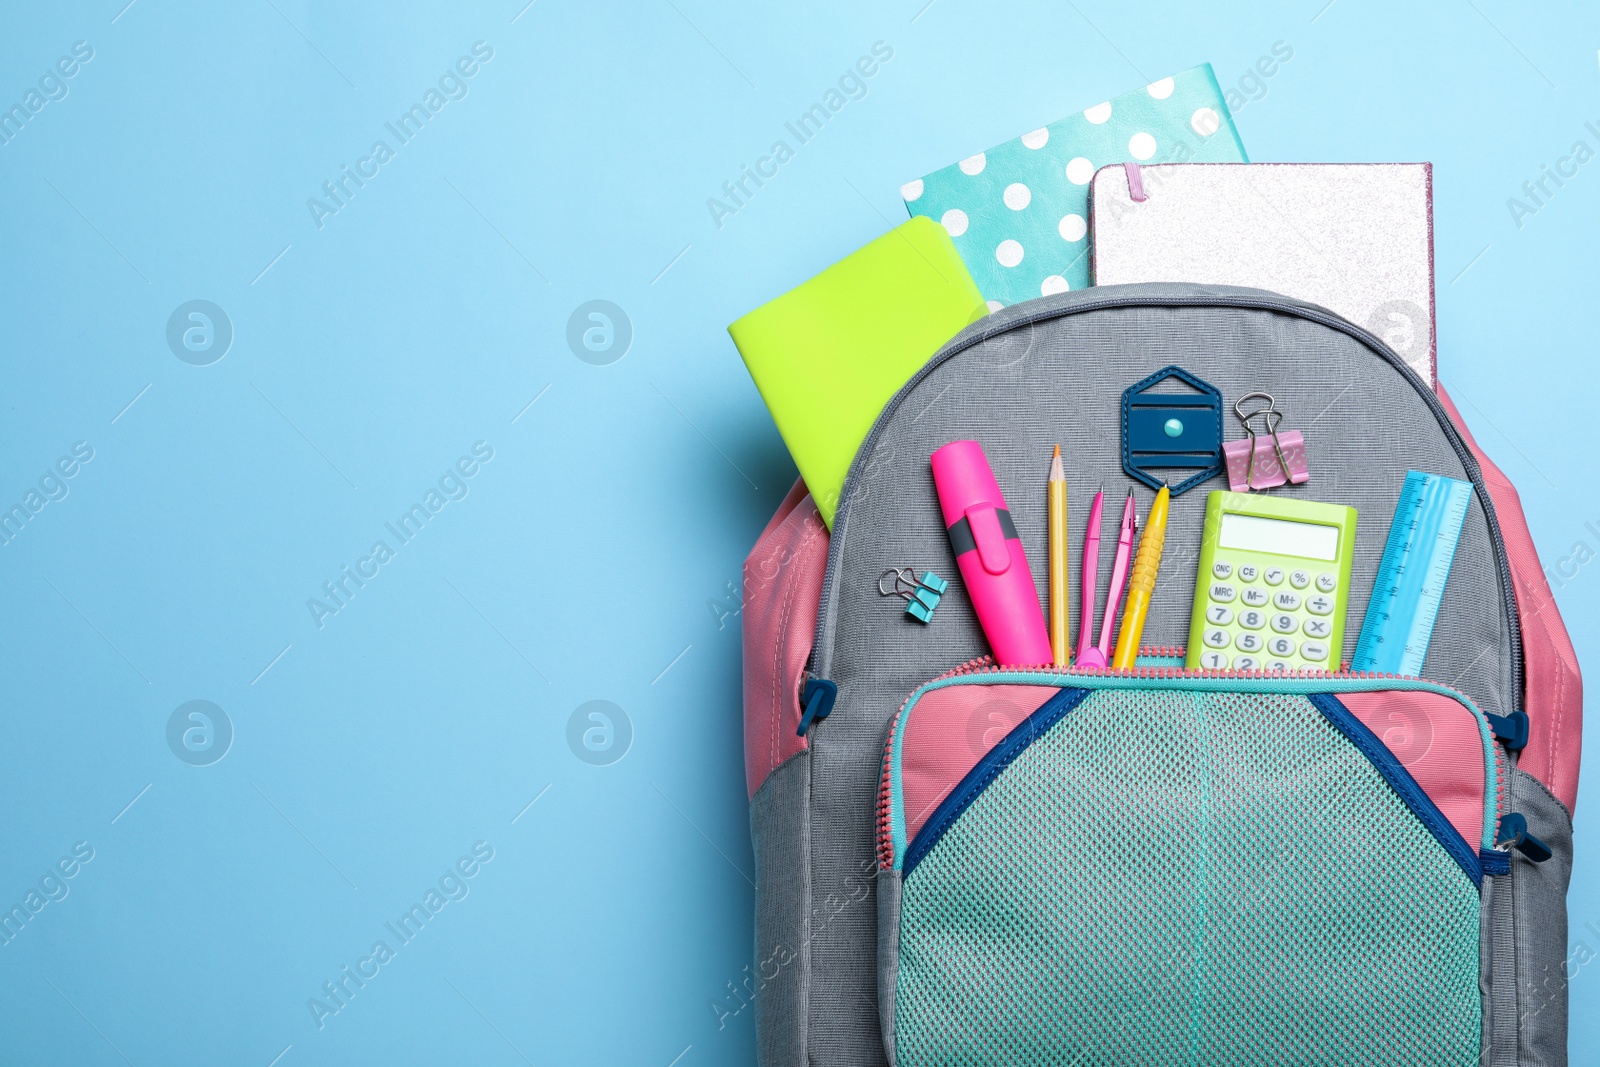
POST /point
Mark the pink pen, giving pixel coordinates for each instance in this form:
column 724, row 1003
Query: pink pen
column 1086, row 587
column 989, row 554
column 1119, row 577
column 1100, row 655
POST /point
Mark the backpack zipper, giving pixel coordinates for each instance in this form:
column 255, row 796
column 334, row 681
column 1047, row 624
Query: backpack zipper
column 987, row 665
column 1468, row 462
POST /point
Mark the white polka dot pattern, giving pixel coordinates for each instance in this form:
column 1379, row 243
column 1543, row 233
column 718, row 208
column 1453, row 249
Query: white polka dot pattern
column 1019, row 213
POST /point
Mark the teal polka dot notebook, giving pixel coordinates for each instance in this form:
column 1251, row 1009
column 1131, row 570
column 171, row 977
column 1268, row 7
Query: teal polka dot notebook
column 1018, row 213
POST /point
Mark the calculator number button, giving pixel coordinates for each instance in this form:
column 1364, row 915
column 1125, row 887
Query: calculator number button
column 1319, row 628
column 1252, row 619
column 1288, row 601
column 1299, row 579
column 1284, row 624
column 1326, row 582
column 1247, row 572
column 1315, row 651
column 1256, row 598
column 1221, row 569
column 1218, row 615
column 1223, row 592
column 1320, row 605
column 1278, row 665
column 1213, row 661
column 1216, row 637
column 1281, row 646
column 1246, row 663
column 1248, row 642
column 1273, row 575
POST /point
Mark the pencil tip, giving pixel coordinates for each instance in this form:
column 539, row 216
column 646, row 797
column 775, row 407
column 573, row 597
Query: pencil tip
column 1057, row 453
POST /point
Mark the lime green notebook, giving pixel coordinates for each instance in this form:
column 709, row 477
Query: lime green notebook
column 828, row 354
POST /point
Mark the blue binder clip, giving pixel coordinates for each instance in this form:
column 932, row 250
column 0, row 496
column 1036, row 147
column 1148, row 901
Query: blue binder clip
column 921, row 595
column 1175, row 431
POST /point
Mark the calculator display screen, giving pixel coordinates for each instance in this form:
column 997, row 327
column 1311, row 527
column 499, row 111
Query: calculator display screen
column 1256, row 534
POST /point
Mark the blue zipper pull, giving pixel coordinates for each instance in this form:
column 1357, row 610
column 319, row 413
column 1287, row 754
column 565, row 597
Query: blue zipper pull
column 1511, row 729
column 1514, row 834
column 818, row 696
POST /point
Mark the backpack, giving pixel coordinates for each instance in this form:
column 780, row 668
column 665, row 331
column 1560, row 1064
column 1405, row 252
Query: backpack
column 960, row 863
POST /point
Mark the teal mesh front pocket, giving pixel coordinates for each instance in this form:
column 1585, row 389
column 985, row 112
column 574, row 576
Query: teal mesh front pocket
column 1177, row 877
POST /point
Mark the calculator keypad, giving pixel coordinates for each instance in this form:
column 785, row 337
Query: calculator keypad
column 1258, row 618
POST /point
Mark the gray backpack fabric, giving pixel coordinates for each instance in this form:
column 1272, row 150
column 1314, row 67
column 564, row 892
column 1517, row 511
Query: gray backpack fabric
column 1053, row 370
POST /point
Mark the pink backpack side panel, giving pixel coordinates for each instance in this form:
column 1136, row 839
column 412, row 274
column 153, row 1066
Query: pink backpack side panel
column 1553, row 688
column 782, row 590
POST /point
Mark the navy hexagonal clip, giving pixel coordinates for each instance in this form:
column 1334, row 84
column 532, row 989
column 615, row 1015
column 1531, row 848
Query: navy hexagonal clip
column 1172, row 430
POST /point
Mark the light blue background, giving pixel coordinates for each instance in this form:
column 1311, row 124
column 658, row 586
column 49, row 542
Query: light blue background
column 588, row 559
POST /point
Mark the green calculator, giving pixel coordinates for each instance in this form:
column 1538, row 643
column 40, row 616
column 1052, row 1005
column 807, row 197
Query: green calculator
column 1273, row 585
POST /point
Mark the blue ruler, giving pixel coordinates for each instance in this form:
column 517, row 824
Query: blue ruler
column 1411, row 579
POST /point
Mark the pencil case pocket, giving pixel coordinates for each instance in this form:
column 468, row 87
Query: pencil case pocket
column 1175, row 869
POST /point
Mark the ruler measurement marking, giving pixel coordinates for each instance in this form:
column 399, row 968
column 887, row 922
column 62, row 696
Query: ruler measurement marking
column 1413, row 574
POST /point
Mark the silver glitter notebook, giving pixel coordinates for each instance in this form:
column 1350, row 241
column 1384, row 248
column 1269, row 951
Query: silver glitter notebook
column 1356, row 238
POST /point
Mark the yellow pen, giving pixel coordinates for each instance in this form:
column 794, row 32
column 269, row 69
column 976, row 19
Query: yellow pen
column 1060, row 642
column 1143, row 583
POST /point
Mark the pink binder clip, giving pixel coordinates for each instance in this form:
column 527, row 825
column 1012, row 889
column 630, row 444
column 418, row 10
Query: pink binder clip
column 1266, row 460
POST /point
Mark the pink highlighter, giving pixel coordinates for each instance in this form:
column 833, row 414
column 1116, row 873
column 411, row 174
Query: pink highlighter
column 989, row 555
